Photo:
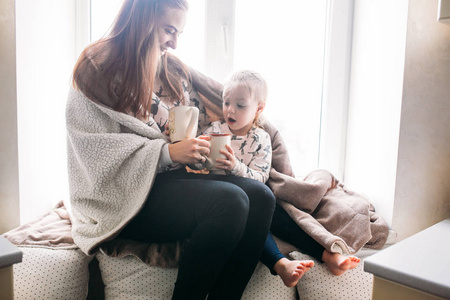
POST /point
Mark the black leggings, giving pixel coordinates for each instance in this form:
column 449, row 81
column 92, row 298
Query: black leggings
column 286, row 229
column 225, row 220
column 271, row 254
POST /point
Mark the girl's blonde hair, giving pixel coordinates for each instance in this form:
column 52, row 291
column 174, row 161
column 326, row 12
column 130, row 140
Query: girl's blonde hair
column 255, row 83
column 129, row 57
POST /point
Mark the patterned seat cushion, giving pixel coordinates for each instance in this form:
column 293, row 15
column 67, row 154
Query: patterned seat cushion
column 318, row 283
column 130, row 278
column 51, row 274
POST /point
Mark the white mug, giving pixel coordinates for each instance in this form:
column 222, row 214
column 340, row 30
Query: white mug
column 183, row 122
column 217, row 143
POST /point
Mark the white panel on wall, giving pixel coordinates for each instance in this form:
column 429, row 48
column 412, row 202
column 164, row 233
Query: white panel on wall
column 9, row 173
column 46, row 53
column 444, row 11
column 422, row 195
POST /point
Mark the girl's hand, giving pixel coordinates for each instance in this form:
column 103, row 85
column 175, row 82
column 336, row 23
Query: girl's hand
column 190, row 151
column 227, row 163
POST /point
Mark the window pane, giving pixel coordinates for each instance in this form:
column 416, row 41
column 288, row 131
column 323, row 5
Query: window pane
column 191, row 47
column 103, row 13
column 285, row 43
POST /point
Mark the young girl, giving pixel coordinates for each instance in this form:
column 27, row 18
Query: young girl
column 250, row 155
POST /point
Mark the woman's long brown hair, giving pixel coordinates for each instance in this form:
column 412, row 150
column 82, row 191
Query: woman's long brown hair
column 129, row 58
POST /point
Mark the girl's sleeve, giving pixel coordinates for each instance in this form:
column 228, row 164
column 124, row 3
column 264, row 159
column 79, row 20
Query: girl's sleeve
column 259, row 167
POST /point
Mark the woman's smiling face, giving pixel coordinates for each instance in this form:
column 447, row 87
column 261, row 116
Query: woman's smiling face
column 170, row 26
column 240, row 109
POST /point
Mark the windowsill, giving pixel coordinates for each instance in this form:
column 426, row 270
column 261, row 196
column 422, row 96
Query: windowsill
column 9, row 254
column 410, row 262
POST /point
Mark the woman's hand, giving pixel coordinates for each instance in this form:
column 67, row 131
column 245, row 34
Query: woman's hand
column 166, row 131
column 227, row 163
column 190, row 151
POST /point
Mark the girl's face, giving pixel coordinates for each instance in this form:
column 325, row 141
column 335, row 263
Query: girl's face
column 240, row 109
column 170, row 26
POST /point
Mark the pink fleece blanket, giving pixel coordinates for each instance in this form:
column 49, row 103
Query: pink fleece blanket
column 50, row 230
column 341, row 220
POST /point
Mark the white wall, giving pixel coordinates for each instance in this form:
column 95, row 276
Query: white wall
column 398, row 150
column 9, row 180
column 422, row 194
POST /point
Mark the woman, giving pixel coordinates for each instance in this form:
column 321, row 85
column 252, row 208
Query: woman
column 126, row 179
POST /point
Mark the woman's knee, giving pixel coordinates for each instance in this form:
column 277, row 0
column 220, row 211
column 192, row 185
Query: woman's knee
column 261, row 196
column 233, row 201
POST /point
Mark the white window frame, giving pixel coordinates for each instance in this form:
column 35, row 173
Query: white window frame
column 219, row 61
column 83, row 19
column 219, row 37
column 336, row 86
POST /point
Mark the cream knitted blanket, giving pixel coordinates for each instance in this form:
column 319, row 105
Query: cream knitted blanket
column 112, row 162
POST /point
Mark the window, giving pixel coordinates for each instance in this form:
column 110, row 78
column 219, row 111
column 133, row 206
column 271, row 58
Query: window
column 103, row 12
column 284, row 42
column 289, row 43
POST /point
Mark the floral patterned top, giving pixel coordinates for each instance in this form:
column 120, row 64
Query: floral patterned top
column 161, row 103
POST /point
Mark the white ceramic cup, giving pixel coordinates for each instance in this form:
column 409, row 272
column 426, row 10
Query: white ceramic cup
column 183, row 122
column 217, row 142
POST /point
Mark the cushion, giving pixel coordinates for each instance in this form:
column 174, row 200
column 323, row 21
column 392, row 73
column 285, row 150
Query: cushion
column 265, row 286
column 46, row 273
column 129, row 278
column 318, row 283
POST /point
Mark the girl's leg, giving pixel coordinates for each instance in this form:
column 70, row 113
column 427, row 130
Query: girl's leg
column 271, row 254
column 212, row 215
column 286, row 229
column 290, row 271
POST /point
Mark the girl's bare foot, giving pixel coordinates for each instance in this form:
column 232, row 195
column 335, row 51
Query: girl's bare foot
column 290, row 271
column 338, row 264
